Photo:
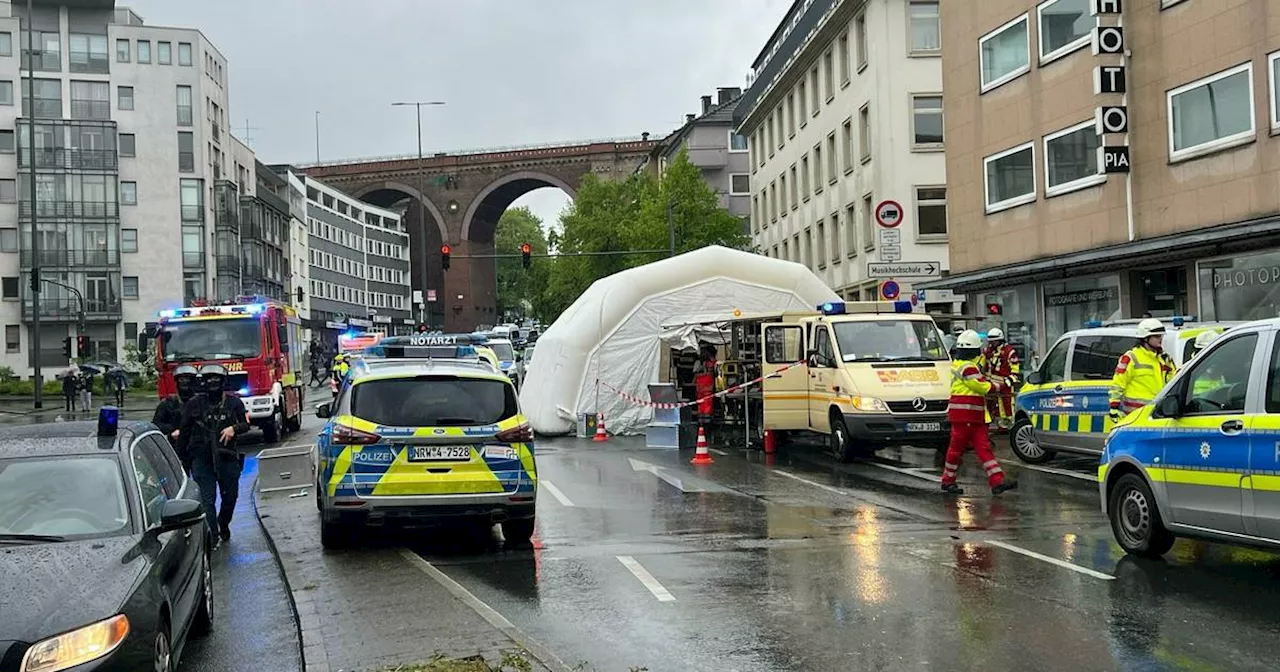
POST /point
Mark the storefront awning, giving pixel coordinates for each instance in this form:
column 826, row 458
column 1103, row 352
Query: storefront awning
column 1217, row 240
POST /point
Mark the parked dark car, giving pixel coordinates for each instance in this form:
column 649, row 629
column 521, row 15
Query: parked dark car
column 104, row 554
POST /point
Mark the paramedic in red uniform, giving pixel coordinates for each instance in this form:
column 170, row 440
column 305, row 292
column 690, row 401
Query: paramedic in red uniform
column 1002, row 365
column 967, row 412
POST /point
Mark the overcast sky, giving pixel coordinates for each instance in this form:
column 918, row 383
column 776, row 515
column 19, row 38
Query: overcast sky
column 512, row 72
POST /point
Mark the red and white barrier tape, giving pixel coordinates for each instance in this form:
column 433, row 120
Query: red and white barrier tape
column 645, row 402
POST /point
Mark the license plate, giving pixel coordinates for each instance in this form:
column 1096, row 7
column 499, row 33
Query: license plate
column 924, row 426
column 439, row 453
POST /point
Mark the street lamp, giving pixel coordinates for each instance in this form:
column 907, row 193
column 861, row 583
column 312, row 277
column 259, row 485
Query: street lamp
column 35, row 233
column 422, row 206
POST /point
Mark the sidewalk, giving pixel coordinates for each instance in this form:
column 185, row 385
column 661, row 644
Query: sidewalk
column 54, row 403
column 373, row 608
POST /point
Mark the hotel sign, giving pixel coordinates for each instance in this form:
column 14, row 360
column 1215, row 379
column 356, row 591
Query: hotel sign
column 1109, row 80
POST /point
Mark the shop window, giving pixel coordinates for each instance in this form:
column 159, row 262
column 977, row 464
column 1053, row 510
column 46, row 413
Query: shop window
column 1005, row 53
column 1095, row 357
column 1054, row 368
column 1065, row 25
column 1211, row 114
column 1243, row 287
column 1074, row 303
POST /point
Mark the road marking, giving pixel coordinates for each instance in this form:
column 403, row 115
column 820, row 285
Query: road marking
column 1053, row 561
column 646, row 578
column 488, row 613
column 717, row 451
column 654, row 469
column 806, row 481
column 555, row 492
column 909, row 471
column 1093, row 478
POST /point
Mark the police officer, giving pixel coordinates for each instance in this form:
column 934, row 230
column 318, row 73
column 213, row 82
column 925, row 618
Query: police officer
column 967, row 412
column 1141, row 372
column 1203, row 339
column 1001, row 362
column 1205, row 383
column 168, row 416
column 211, row 421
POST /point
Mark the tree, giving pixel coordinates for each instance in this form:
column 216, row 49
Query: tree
column 632, row 214
column 519, row 287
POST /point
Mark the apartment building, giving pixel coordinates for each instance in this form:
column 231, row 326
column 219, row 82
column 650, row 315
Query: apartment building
column 359, row 265
column 844, row 113
column 1112, row 161
column 128, row 142
column 715, row 148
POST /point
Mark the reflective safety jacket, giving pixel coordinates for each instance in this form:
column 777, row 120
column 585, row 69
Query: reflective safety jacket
column 1002, row 361
column 1140, row 375
column 969, row 389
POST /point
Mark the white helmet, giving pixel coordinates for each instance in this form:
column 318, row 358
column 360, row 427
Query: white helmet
column 995, row 334
column 1205, row 338
column 969, row 339
column 1150, row 327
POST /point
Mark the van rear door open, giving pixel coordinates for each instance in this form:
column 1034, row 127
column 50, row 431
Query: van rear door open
column 786, row 395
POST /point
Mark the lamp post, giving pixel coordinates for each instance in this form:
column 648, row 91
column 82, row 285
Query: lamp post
column 422, row 206
column 35, row 340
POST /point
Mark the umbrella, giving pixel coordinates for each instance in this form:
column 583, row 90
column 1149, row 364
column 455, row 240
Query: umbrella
column 92, row 369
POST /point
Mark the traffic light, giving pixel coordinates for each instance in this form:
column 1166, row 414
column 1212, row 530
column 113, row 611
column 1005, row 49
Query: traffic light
column 444, row 256
column 995, row 309
column 82, row 346
column 35, row 281
column 525, row 250
column 422, row 328
column 66, row 347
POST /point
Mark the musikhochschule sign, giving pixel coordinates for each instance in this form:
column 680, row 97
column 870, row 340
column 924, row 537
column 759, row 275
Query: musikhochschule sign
column 1083, row 296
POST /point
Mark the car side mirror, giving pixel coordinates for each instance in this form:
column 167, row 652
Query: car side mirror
column 1170, row 406
column 1034, row 378
column 180, row 513
column 323, row 411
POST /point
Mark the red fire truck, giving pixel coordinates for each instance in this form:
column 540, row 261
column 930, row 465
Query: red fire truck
column 260, row 343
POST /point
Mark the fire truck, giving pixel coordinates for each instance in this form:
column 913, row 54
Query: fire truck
column 259, row 341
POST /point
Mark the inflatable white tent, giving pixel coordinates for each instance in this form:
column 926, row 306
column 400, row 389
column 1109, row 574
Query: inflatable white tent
column 613, row 332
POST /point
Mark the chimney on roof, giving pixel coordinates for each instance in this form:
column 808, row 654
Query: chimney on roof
column 728, row 93
column 644, row 137
column 706, row 104
column 689, row 117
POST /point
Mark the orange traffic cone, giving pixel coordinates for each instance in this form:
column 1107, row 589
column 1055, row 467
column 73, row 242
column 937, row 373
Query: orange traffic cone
column 701, row 455
column 600, row 436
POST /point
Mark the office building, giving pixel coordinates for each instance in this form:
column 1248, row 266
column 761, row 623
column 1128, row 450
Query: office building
column 1173, row 210
column 295, row 192
column 715, row 148
column 844, row 113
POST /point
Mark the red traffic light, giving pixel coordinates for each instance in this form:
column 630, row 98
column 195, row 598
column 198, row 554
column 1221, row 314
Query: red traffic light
column 444, row 249
column 994, row 309
column 444, row 256
column 422, row 328
column 526, row 248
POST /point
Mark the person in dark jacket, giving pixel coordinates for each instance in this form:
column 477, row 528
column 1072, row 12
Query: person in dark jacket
column 211, row 421
column 69, row 390
column 168, row 416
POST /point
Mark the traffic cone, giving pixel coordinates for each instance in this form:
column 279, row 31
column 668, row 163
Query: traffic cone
column 701, row 455
column 770, row 442
column 600, row 436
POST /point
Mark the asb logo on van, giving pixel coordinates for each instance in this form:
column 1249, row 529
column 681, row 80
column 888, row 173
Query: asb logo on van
column 902, row 376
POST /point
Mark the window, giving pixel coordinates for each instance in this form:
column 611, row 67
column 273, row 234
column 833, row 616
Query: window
column 851, row 233
column 867, row 233
column 739, row 184
column 8, row 191
column 1218, row 381
column 737, row 142
column 926, row 122
column 846, row 133
column 1071, row 159
column 12, row 338
column 1004, row 53
column 1054, row 367
column 802, row 101
column 783, row 344
column 926, row 34
column 128, row 240
column 48, row 51
column 128, row 144
column 123, row 51
column 184, row 53
column 820, row 245
column 48, row 97
column 128, row 193
column 90, row 100
column 88, row 53
column 931, row 212
column 6, row 44
column 829, row 74
column 864, row 132
column 844, row 58
column 1096, row 356
column 1211, row 114
column 860, row 30
column 186, row 152
column 9, row 239
column 1274, row 64
column 130, row 286
column 1065, row 25
column 164, row 53
column 6, row 142
column 1010, row 177
column 192, row 194
column 773, row 201
column 817, row 169
column 6, row 92
column 9, row 288
column 791, row 115
column 184, row 106
column 151, row 479
column 782, row 137
column 144, row 51
column 795, row 188
column 124, row 97
column 804, row 176
column 786, row 195
column 816, row 88
column 832, row 157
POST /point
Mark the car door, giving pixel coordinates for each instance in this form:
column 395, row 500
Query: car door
column 176, row 485
column 1264, row 455
column 822, row 374
column 1206, row 446
column 786, row 395
column 1086, row 395
column 1039, row 398
column 171, row 549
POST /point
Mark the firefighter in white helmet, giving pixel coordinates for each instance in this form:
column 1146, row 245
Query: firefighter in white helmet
column 1141, row 372
column 1000, row 362
column 967, row 412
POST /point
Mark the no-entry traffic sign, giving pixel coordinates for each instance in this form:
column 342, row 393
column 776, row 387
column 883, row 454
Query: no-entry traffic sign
column 889, row 214
column 890, row 290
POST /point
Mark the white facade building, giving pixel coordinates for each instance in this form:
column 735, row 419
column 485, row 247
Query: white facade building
column 845, row 111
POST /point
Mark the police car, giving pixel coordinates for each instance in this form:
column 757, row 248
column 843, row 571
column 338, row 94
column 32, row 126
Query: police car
column 1063, row 404
column 416, row 438
column 1203, row 459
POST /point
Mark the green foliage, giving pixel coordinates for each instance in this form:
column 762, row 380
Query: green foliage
column 632, row 214
column 7, row 375
column 518, row 287
column 141, row 366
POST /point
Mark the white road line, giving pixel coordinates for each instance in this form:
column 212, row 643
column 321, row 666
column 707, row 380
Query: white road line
column 806, row 481
column 914, row 471
column 1053, row 561
column 717, row 451
column 1093, row 478
column 555, row 492
column 487, row 612
column 646, row 578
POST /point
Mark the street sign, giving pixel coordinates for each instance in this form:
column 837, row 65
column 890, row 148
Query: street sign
column 889, row 245
column 914, row 269
column 889, row 214
column 890, row 290
column 431, row 296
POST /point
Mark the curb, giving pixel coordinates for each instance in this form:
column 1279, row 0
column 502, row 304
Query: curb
column 275, row 553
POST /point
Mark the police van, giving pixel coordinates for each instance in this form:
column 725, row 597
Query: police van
column 1063, row 405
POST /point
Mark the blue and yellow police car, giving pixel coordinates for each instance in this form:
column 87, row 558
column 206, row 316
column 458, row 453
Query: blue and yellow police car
column 421, row 432
column 1203, row 459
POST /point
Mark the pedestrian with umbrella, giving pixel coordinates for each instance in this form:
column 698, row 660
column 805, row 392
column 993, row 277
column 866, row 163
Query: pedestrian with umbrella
column 69, row 383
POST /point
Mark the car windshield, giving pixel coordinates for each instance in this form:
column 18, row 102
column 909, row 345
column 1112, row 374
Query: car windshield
column 62, row 498
column 504, row 351
column 199, row 340
column 433, row 401
column 890, row 341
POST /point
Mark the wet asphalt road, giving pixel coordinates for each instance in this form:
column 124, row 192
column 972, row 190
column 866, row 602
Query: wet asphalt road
column 801, row 563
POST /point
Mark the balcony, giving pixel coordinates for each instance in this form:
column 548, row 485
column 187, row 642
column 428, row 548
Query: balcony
column 91, row 109
column 94, row 64
column 709, row 157
column 70, row 159
column 72, row 258
column 67, row 309
column 70, row 209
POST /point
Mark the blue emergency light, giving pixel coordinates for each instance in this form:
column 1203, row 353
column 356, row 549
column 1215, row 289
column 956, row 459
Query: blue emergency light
column 901, row 306
column 168, row 313
column 108, row 420
column 832, row 308
column 244, row 391
column 256, row 308
column 1093, row 324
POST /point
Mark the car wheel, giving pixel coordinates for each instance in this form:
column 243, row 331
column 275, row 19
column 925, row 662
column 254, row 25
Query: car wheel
column 841, row 443
column 203, row 622
column 271, row 428
column 518, row 530
column 334, row 535
column 1135, row 520
column 1022, row 439
column 162, row 649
